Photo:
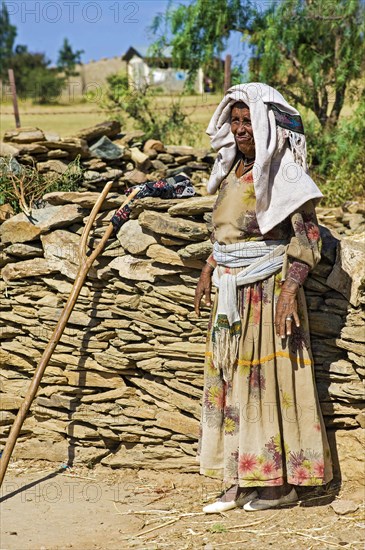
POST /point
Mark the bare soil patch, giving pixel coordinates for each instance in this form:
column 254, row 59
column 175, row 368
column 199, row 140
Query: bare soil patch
column 48, row 508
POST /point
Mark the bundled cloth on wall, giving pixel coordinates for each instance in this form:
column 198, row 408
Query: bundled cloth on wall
column 176, row 187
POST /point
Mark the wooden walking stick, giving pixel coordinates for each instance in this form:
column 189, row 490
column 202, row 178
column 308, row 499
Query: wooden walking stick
column 85, row 264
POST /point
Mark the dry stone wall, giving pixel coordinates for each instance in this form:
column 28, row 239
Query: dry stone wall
column 125, row 383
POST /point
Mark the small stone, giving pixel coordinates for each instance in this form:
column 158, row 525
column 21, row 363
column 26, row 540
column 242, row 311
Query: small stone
column 135, row 135
column 180, row 150
column 57, row 154
column 166, row 158
column 90, row 175
column 52, row 166
column 51, row 136
column 24, row 250
column 74, row 146
column 135, row 177
column 6, row 212
column 342, row 507
column 360, row 419
column 158, row 165
column 155, row 145
column 133, row 239
column 105, row 149
column 95, row 164
column 31, row 149
column 141, row 160
column 7, row 150
column 196, row 251
column 164, row 255
column 61, row 249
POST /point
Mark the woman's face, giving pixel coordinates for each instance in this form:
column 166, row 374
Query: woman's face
column 242, row 130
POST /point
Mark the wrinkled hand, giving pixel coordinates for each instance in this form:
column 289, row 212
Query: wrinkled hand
column 203, row 288
column 287, row 307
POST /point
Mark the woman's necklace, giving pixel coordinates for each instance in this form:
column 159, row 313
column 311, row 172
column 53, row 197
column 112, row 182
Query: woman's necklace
column 248, row 162
column 244, row 166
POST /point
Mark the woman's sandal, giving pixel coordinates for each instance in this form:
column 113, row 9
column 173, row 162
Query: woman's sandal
column 220, row 506
column 264, row 504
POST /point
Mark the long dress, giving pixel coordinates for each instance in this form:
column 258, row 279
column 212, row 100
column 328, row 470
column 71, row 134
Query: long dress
column 264, row 427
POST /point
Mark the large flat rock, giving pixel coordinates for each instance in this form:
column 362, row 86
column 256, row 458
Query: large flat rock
column 26, row 134
column 85, row 199
column 22, row 228
column 164, row 224
column 137, row 269
column 108, row 128
column 74, row 146
column 349, row 447
column 193, row 206
column 133, row 239
column 28, row 268
column 348, row 273
column 164, row 255
column 61, row 250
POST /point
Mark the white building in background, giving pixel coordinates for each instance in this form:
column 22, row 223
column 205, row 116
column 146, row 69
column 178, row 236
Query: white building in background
column 158, row 72
column 92, row 76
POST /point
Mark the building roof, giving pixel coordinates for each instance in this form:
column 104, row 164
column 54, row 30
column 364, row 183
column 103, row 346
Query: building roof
column 142, row 52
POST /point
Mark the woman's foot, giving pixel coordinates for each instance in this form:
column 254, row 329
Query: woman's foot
column 234, row 497
column 270, row 497
column 274, row 493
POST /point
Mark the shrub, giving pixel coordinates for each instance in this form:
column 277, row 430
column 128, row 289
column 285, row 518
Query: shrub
column 23, row 186
column 337, row 158
column 168, row 124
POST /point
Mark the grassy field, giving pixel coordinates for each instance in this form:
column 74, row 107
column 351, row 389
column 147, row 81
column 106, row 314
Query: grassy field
column 67, row 119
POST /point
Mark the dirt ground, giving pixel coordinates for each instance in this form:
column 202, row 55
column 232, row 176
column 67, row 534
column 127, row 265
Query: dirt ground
column 48, row 508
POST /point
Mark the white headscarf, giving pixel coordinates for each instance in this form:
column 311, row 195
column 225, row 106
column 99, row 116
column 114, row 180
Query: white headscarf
column 280, row 176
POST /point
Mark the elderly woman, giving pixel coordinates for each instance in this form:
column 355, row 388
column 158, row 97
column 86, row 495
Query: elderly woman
column 262, row 431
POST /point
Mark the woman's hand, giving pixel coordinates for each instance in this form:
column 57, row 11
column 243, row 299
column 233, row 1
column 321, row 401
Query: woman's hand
column 286, row 309
column 203, row 288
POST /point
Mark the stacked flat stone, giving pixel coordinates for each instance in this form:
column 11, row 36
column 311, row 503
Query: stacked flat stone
column 106, row 154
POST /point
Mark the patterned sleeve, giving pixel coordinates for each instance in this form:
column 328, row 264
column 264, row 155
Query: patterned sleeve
column 304, row 250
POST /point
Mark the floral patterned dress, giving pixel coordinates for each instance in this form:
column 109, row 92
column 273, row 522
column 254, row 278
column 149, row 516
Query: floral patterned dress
column 264, row 427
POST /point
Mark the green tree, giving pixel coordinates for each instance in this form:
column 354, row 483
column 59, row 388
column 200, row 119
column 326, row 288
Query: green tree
column 311, row 50
column 8, row 34
column 198, row 32
column 68, row 59
column 34, row 78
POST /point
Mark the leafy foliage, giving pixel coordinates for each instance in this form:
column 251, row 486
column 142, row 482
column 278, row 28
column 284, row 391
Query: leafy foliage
column 198, row 32
column 169, row 125
column 8, row 34
column 68, row 59
column 311, row 51
column 34, row 79
column 338, row 157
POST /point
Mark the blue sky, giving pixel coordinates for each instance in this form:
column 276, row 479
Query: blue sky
column 103, row 28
